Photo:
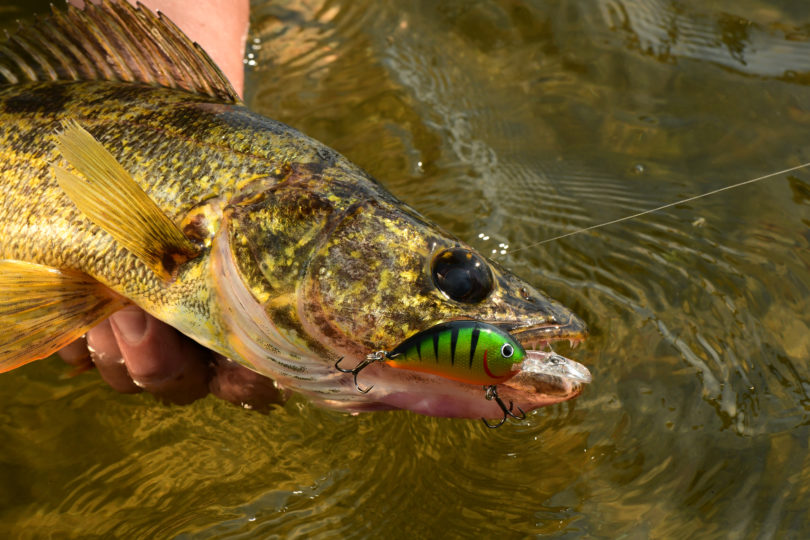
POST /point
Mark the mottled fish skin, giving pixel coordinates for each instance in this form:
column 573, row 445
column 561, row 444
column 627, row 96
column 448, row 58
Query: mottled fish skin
column 189, row 154
column 305, row 258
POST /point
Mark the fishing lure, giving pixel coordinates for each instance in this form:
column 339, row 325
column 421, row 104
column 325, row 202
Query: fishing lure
column 471, row 352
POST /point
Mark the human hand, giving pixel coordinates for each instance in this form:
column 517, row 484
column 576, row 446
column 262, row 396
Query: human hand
column 135, row 352
column 132, row 350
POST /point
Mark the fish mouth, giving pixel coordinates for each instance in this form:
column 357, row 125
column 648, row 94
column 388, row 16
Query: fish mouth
column 541, row 334
column 546, row 376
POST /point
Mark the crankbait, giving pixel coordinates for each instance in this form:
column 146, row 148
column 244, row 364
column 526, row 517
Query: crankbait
column 471, row 352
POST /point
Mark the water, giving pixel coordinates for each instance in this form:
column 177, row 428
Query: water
column 507, row 123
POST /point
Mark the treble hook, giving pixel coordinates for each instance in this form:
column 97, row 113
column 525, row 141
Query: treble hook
column 378, row 356
column 492, row 393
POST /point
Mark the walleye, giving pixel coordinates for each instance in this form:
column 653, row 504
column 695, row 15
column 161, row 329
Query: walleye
column 132, row 173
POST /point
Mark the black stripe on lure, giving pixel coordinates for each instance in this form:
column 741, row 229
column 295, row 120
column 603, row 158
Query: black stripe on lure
column 471, row 352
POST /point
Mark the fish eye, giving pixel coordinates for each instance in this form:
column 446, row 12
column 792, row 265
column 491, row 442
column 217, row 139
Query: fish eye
column 463, row 275
column 507, row 350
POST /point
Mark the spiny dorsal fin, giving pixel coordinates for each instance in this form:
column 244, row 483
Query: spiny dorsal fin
column 111, row 199
column 111, row 41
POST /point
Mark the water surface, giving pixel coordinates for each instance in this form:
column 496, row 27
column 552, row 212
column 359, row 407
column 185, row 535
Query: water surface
column 507, row 123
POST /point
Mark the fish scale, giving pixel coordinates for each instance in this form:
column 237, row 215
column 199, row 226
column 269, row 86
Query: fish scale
column 144, row 127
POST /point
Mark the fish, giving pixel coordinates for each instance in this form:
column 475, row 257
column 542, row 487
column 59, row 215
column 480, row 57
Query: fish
column 132, row 173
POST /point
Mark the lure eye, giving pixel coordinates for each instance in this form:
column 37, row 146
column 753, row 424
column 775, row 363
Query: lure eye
column 462, row 275
column 507, row 350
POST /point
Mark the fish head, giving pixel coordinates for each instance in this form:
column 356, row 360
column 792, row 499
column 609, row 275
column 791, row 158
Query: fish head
column 384, row 273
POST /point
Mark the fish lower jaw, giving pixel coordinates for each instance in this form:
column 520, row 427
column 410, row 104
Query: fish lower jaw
column 443, row 405
column 433, row 395
column 447, row 405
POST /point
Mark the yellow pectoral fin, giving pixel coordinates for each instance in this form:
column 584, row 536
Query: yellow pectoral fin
column 42, row 309
column 112, row 199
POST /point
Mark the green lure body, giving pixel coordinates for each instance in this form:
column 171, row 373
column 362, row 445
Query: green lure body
column 466, row 351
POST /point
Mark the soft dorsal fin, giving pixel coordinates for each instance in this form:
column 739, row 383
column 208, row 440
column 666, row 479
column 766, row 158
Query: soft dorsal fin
column 111, row 41
column 111, row 199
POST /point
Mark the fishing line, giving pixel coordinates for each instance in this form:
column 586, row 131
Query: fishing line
column 662, row 207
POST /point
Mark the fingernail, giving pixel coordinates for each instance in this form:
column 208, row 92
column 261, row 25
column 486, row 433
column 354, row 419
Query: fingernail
column 130, row 324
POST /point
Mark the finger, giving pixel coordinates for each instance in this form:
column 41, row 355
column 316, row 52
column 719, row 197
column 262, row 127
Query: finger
column 241, row 386
column 77, row 355
column 160, row 359
column 109, row 361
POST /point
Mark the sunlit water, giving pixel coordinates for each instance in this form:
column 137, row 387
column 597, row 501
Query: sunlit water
column 507, row 123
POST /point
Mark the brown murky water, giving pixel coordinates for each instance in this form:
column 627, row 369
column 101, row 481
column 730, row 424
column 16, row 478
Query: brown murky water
column 507, row 122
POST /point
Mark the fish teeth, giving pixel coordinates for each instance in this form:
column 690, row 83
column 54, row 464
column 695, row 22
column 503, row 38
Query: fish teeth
column 546, row 345
column 536, row 345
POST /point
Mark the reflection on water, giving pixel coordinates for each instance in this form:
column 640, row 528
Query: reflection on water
column 508, row 122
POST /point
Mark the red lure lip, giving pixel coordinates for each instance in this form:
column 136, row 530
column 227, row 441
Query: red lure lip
column 486, row 367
